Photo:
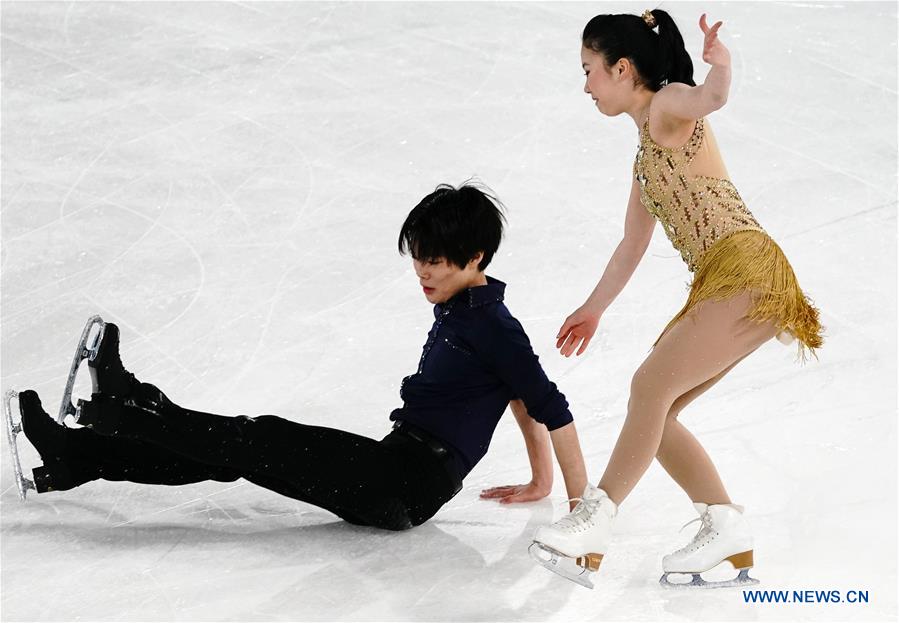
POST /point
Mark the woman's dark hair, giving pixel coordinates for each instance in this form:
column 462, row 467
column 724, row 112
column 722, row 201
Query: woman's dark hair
column 455, row 224
column 658, row 58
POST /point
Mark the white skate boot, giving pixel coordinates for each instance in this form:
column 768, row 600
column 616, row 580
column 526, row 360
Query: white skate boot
column 574, row 546
column 724, row 536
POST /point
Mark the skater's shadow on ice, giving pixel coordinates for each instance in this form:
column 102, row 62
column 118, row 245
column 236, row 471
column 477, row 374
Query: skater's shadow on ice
column 411, row 572
column 414, row 572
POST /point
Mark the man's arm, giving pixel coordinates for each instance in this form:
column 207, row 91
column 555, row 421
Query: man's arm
column 537, row 439
column 571, row 460
column 537, row 442
column 504, row 346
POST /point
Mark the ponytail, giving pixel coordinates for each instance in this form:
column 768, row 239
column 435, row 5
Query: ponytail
column 658, row 58
column 677, row 62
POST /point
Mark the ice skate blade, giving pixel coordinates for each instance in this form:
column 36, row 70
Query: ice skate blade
column 742, row 579
column 565, row 566
column 12, row 430
column 87, row 348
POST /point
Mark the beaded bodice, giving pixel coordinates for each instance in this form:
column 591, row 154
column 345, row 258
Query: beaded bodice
column 695, row 210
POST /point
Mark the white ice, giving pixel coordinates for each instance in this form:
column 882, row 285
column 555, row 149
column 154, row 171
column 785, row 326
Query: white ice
column 226, row 182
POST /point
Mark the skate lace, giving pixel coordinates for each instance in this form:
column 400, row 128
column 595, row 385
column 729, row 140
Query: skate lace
column 704, row 530
column 581, row 514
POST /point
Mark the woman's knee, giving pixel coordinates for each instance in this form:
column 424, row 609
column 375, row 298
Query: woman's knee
column 649, row 391
column 675, row 410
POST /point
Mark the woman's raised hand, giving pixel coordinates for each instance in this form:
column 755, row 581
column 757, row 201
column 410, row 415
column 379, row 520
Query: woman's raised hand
column 577, row 331
column 713, row 51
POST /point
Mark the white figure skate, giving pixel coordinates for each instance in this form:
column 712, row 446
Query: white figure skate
column 573, row 547
column 88, row 347
column 723, row 537
column 12, row 431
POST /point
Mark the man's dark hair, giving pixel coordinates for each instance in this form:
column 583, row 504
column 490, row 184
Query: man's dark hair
column 455, row 224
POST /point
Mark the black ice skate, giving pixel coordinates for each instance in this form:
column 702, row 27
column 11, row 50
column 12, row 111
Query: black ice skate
column 48, row 438
column 113, row 416
column 99, row 344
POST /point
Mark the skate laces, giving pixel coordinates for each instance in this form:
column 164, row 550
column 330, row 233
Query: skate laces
column 581, row 514
column 704, row 529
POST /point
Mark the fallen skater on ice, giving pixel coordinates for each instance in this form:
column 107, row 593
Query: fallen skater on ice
column 475, row 361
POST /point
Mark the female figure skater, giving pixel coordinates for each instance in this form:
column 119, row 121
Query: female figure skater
column 743, row 292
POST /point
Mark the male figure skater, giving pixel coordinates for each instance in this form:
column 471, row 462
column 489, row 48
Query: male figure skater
column 476, row 360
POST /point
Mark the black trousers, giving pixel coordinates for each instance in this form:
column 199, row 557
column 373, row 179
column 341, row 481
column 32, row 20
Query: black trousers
column 394, row 484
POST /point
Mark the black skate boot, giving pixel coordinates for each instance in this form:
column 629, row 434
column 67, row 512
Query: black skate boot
column 49, row 439
column 99, row 344
column 113, row 416
column 108, row 375
column 46, row 435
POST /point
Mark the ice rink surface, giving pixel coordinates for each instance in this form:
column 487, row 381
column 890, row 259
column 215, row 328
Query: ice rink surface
column 226, row 182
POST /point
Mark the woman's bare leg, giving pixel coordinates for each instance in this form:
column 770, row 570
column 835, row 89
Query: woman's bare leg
column 696, row 350
column 684, row 458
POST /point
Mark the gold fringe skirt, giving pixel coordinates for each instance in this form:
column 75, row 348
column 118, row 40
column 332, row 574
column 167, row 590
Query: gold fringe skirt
column 751, row 260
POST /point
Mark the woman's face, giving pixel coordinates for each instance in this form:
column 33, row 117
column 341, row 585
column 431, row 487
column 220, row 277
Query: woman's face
column 601, row 84
column 441, row 280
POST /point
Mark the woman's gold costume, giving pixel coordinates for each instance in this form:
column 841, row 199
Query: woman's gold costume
column 688, row 191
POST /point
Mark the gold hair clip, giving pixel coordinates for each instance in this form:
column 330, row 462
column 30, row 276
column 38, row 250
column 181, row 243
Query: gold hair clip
column 649, row 18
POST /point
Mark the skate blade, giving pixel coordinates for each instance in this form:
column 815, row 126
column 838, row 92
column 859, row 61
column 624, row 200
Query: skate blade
column 560, row 564
column 87, row 348
column 12, row 430
column 697, row 581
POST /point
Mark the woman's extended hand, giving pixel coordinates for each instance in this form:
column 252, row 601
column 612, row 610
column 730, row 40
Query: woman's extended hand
column 713, row 51
column 577, row 331
column 512, row 494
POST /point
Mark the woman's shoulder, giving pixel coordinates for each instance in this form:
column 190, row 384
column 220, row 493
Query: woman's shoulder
column 666, row 99
column 666, row 129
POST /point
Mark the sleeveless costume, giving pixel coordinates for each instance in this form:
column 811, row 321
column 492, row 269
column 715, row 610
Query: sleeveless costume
column 688, row 191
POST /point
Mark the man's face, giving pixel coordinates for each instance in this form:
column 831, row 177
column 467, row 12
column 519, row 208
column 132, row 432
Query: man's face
column 440, row 280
